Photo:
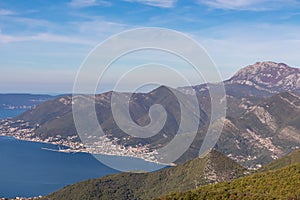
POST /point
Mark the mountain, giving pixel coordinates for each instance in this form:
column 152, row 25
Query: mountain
column 55, row 117
column 211, row 168
column 261, row 79
column 264, row 132
column 269, row 76
column 256, row 130
column 22, row 101
column 262, row 113
column 278, row 184
column 261, row 122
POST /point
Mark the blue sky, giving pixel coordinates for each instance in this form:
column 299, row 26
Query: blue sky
column 43, row 42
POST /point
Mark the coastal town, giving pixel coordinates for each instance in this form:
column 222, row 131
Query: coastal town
column 22, row 130
column 23, row 198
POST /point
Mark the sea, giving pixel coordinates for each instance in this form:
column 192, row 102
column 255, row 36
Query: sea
column 30, row 169
column 6, row 113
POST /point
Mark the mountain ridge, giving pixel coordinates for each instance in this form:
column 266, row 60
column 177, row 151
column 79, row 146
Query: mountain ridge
column 277, row 77
column 261, row 123
column 260, row 79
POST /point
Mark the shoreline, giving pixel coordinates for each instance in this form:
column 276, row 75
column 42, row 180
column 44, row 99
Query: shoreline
column 70, row 150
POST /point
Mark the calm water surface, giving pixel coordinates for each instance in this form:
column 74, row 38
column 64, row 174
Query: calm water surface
column 27, row 169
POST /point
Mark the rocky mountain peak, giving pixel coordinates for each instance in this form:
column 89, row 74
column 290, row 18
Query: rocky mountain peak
column 270, row 75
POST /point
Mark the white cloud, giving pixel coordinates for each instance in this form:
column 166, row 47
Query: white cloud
column 89, row 32
column 88, row 3
column 255, row 5
column 156, row 3
column 43, row 37
column 98, row 27
column 6, row 12
column 31, row 23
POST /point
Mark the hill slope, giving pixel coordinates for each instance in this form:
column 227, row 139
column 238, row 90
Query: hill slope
column 279, row 179
column 290, row 159
column 213, row 167
column 264, row 132
column 278, row 184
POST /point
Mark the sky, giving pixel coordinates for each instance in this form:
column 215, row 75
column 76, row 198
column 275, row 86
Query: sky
column 44, row 42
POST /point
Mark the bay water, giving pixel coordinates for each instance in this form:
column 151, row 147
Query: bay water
column 29, row 169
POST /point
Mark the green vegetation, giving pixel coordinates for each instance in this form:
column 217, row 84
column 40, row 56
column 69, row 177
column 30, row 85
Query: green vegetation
column 196, row 179
column 290, row 159
column 277, row 184
column 211, row 168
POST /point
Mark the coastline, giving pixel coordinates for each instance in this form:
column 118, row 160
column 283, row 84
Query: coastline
column 68, row 150
column 104, row 146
